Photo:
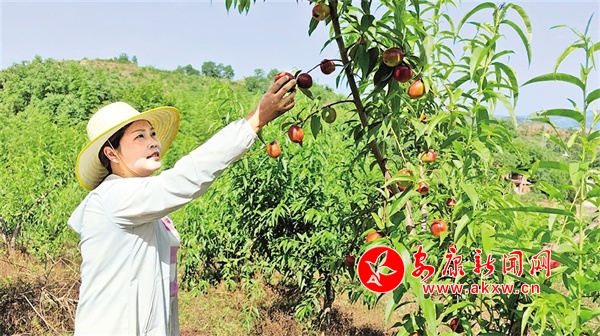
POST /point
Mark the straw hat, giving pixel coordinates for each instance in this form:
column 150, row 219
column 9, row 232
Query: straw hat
column 108, row 120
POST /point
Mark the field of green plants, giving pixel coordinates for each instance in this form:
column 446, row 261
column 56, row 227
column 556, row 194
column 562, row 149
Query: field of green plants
column 302, row 219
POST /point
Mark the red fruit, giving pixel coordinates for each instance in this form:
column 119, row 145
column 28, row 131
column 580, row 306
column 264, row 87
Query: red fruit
column 273, row 149
column 372, row 236
column 422, row 188
column 428, row 156
column 327, row 66
column 349, row 260
column 438, row 226
column 283, row 74
column 404, row 184
column 554, row 264
column 402, row 73
column 416, row 89
column 304, row 81
column 296, row 134
column 392, row 56
column 320, row 12
column 450, row 202
column 456, row 326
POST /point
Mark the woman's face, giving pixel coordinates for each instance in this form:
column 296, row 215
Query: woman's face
column 139, row 149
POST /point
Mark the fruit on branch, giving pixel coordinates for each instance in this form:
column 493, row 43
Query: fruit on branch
column 554, row 264
column 438, row 226
column 428, row 156
column 402, row 73
column 450, row 202
column 320, row 12
column 423, row 117
column 422, row 188
column 402, row 185
column 273, row 149
column 416, row 89
column 283, row 74
column 373, row 235
column 349, row 260
column 296, row 134
column 327, row 66
column 456, row 326
column 304, row 81
column 287, row 75
column 392, row 56
column 331, row 115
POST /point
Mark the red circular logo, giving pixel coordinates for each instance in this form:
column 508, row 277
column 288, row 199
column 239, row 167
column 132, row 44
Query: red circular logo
column 380, row 269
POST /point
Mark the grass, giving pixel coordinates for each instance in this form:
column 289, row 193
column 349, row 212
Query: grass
column 39, row 298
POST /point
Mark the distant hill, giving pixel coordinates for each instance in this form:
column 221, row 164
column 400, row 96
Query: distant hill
column 560, row 122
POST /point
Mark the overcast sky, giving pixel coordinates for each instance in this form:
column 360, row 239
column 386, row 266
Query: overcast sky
column 166, row 34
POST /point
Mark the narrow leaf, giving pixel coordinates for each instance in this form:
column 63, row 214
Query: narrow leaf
column 315, row 125
column 564, row 55
column 472, row 12
column 537, row 209
column 563, row 77
column 592, row 96
column 522, row 36
column 554, row 165
column 566, row 113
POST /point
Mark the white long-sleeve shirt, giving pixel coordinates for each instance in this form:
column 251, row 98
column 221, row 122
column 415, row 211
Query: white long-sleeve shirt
column 129, row 245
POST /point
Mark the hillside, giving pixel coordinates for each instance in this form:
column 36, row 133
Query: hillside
column 315, row 192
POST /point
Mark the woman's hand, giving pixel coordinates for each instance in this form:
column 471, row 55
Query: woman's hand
column 273, row 103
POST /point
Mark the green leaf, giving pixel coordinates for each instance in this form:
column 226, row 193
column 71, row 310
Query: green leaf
column 556, row 140
column 383, row 74
column 592, row 96
column 460, row 225
column 366, row 22
column 524, row 17
column 307, row 93
column 315, row 125
column 487, row 232
column 430, row 315
column 538, row 209
column 474, row 63
column 525, row 319
column 470, row 191
column 390, row 307
column 373, row 58
column 472, row 12
column 564, row 55
column 512, row 77
column 573, row 138
column 524, row 39
column 557, row 77
column 554, row 165
column 312, row 25
column 567, row 113
column 394, row 301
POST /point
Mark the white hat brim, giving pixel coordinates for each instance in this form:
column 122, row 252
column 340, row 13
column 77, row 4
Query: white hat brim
column 88, row 168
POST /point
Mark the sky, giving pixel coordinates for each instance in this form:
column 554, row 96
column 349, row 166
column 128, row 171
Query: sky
column 274, row 34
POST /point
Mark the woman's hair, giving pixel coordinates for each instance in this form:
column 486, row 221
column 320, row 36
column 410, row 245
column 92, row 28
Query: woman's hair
column 115, row 141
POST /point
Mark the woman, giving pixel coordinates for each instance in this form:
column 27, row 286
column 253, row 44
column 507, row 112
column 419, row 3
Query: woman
column 128, row 243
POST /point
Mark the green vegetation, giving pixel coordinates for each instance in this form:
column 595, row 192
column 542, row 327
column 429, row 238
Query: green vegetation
column 294, row 221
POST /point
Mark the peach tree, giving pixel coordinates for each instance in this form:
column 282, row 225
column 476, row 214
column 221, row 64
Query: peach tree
column 424, row 89
column 570, row 232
